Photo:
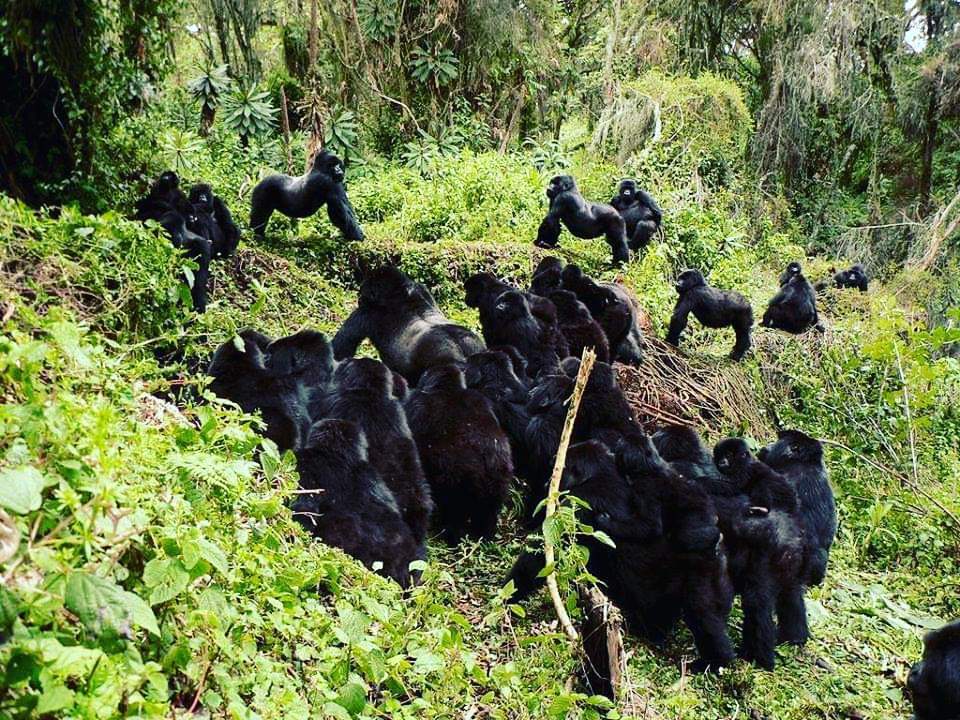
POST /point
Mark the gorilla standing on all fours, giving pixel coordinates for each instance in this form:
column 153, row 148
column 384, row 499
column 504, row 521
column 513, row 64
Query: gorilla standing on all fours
column 714, row 308
column 300, row 197
column 640, row 213
column 794, row 308
column 213, row 221
column 465, row 454
column 934, row 682
column 799, row 458
column 585, row 220
column 167, row 205
column 403, row 322
column 853, row 277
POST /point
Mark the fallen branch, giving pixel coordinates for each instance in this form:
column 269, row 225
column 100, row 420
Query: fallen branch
column 553, row 491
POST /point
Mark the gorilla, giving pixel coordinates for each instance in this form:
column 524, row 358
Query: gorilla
column 351, row 507
column 279, row 378
column 934, row 682
column 547, row 276
column 578, row 326
column 799, row 458
column 403, row 322
column 547, row 409
column 510, row 321
column 213, row 221
column 166, row 204
column 714, row 308
column 853, row 277
column 465, row 454
column 363, row 392
column 302, row 196
column 660, row 569
column 766, row 560
column 614, row 308
column 584, row 219
column 794, row 308
column 640, row 213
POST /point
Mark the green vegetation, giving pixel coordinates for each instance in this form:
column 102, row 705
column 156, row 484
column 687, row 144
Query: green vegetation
column 151, row 567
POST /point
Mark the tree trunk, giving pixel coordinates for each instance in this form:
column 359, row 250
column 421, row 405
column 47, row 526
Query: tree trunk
column 603, row 658
column 931, row 125
column 312, row 48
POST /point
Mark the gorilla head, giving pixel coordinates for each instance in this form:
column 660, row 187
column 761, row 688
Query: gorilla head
column 561, row 184
column 627, row 190
column 731, row 456
column 329, row 164
column 364, row 374
column 546, row 277
column 492, row 371
column 792, row 270
column 510, row 305
column 201, row 195
column 934, row 682
column 792, row 446
column 479, row 286
column 386, row 286
column 168, row 182
column 688, row 280
column 442, row 378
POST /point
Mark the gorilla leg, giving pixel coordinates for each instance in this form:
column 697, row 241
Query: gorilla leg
column 199, row 250
column 617, row 239
column 483, row 518
column 525, row 574
column 759, row 631
column 792, row 615
column 642, row 233
column 742, row 330
column 706, row 609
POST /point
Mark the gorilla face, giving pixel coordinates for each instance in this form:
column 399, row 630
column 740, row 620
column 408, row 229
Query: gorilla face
column 791, row 271
column 792, row 446
column 329, row 164
column 202, row 195
column 934, row 682
column 560, row 184
column 688, row 280
column 730, row 455
column 476, row 287
column 168, row 182
column 627, row 191
column 510, row 306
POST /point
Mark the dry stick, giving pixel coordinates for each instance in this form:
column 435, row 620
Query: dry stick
column 553, row 492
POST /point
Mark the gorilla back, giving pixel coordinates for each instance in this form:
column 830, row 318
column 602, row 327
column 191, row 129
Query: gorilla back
column 302, row 196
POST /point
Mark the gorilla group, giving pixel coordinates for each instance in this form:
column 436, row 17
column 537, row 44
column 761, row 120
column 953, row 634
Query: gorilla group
column 200, row 225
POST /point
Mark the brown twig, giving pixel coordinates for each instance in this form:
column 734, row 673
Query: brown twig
column 553, row 493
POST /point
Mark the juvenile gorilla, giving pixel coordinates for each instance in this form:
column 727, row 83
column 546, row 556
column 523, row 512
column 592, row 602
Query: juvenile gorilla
column 167, row 205
column 300, row 197
column 213, row 221
column 799, row 458
column 547, row 276
column 578, row 326
column 363, row 391
column 934, row 682
column 640, row 212
column 767, row 566
column 465, row 454
column 714, row 308
column 614, row 308
column 584, row 219
column 853, row 277
column 794, row 307
column 353, row 509
column 510, row 321
column 404, row 324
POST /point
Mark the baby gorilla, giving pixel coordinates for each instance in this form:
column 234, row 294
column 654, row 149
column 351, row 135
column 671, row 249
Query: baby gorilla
column 300, row 197
column 465, row 454
column 714, row 308
column 640, row 212
column 547, row 276
column 363, row 391
column 578, row 327
column 213, row 221
column 766, row 558
column 794, row 308
column 352, row 508
column 405, row 325
column 934, row 682
column 584, row 219
column 799, row 458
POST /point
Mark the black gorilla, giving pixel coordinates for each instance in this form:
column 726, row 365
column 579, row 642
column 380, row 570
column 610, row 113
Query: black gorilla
column 547, row 276
column 166, row 204
column 714, row 308
column 510, row 321
column 352, row 508
column 280, row 378
column 465, row 454
column 546, row 408
column 794, row 307
column 799, row 458
column 934, row 682
column 853, row 277
column 584, row 219
column 766, row 555
column 640, row 213
column 403, row 322
column 302, row 196
column 614, row 308
column 363, row 392
column 665, row 564
column 578, row 326
column 213, row 221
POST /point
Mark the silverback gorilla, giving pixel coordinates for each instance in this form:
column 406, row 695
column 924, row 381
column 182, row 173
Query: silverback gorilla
column 302, row 196
column 584, row 219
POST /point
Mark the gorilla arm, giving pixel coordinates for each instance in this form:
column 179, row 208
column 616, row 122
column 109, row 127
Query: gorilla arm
column 341, row 214
column 354, row 331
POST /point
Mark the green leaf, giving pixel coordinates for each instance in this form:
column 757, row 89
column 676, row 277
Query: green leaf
column 332, row 710
column 21, row 489
column 56, row 697
column 166, row 579
column 103, row 605
column 352, row 698
column 213, row 555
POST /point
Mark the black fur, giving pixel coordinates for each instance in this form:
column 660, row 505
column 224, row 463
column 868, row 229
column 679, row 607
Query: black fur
column 404, row 323
column 510, row 321
column 578, row 327
column 640, row 213
column 794, row 307
column 547, row 276
column 934, row 682
column 853, row 277
column 352, row 508
column 302, row 196
column 465, row 454
column 714, row 308
column 213, row 221
column 584, row 219
column 614, row 308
